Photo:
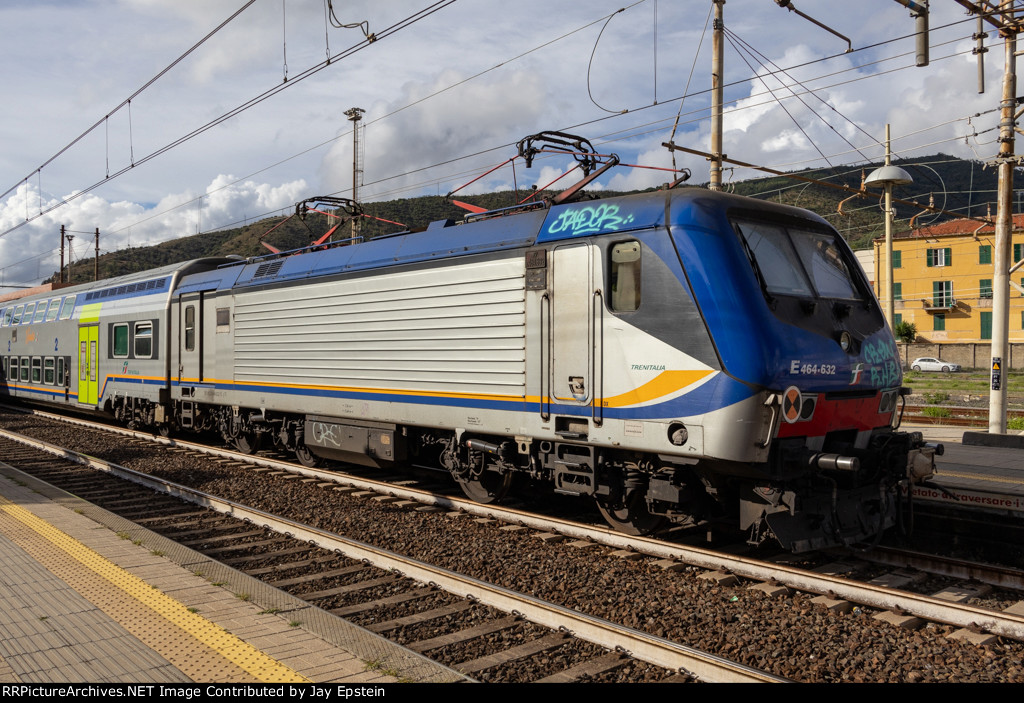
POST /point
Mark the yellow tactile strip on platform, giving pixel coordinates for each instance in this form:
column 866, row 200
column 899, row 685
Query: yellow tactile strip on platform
column 182, row 637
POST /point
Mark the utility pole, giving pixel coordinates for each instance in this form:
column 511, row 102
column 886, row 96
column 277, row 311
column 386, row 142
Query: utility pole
column 68, row 237
column 62, row 253
column 355, row 114
column 717, row 81
column 96, row 259
column 1004, row 226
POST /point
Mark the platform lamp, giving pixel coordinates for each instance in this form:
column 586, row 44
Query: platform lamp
column 886, row 177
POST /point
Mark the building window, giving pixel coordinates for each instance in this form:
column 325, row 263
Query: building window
column 897, row 319
column 940, row 257
column 986, row 288
column 897, row 259
column 939, row 322
column 985, row 254
column 897, row 291
column 942, row 294
column 1018, row 252
column 986, row 324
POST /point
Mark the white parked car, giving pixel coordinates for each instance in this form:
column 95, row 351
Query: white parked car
column 927, row 363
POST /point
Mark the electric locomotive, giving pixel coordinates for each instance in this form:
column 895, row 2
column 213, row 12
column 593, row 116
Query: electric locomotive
column 678, row 356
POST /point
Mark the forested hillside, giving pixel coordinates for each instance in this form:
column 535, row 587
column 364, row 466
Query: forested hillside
column 955, row 184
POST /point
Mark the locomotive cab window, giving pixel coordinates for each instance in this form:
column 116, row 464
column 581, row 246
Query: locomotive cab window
column 624, row 276
column 223, row 320
column 798, row 262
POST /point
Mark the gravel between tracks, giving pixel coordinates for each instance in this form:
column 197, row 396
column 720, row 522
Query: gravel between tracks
column 788, row 636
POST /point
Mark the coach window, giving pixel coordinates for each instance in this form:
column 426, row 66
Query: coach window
column 13, row 374
column 120, row 337
column 143, row 340
column 8, row 314
column 48, row 365
column 67, row 307
column 52, row 310
column 3, row 317
column 24, row 368
column 190, row 328
column 16, row 319
column 37, row 369
column 625, row 276
column 26, row 317
column 40, row 312
column 61, row 372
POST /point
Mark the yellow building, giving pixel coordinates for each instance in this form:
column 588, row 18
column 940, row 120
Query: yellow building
column 942, row 280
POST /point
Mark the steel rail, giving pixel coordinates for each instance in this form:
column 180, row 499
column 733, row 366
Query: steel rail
column 640, row 645
column 927, row 607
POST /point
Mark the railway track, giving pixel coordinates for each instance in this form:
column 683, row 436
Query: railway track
column 423, row 607
column 956, row 416
column 613, row 567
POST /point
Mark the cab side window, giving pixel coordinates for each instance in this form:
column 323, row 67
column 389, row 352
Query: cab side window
column 624, row 273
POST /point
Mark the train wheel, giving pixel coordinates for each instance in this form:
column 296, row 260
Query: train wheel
column 247, row 443
column 306, row 457
column 486, row 487
column 630, row 516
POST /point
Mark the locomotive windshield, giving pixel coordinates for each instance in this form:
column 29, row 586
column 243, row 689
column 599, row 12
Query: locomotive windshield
column 798, row 262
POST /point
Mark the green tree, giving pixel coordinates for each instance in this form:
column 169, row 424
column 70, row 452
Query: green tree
column 906, row 332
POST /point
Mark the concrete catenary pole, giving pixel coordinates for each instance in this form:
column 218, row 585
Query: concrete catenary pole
column 717, row 81
column 1003, row 234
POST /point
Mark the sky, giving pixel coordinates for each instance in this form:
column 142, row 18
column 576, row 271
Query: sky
column 448, row 88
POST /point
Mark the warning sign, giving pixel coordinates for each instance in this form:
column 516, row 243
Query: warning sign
column 997, row 372
column 791, row 404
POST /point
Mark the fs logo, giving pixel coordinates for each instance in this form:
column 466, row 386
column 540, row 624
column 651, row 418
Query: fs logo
column 855, row 373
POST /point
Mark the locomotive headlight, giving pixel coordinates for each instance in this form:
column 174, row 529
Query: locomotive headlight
column 846, row 342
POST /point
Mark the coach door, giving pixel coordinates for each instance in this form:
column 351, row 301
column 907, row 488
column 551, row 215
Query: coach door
column 573, row 343
column 190, row 339
column 88, row 364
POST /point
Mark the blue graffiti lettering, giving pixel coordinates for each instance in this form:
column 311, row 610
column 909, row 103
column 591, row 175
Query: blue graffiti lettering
column 884, row 361
column 589, row 220
column 879, row 352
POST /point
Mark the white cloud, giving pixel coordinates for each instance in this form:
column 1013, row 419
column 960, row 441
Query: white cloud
column 452, row 124
column 32, row 252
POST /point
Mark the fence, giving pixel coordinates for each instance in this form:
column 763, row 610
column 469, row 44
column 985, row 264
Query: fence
column 968, row 355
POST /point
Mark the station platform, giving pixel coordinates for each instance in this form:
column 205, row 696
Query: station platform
column 989, row 478
column 88, row 597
